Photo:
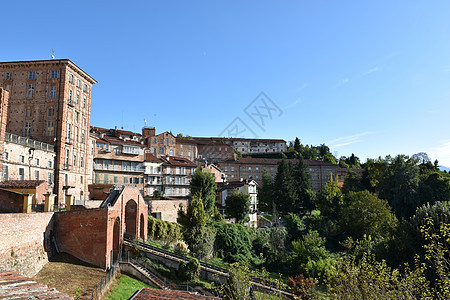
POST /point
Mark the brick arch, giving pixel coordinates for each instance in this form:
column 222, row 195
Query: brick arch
column 131, row 218
column 141, row 227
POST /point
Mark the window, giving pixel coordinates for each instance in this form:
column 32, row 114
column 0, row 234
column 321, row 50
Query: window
column 167, row 141
column 171, row 152
column 100, row 145
column 249, row 168
column 53, row 92
column 82, row 140
column 67, row 158
column 36, row 161
column 225, row 169
column 85, row 88
column 115, row 179
column 5, row 155
column 27, row 128
column 69, row 129
column 78, row 98
column 232, row 169
column 36, row 174
column 74, row 160
column 49, row 164
column 71, row 78
column 5, row 173
column 81, row 179
column 28, row 112
column 32, row 75
column 50, row 178
column 84, row 101
column 8, row 76
column 21, row 174
column 54, row 74
column 51, row 112
column 70, row 96
column 50, row 128
column 21, row 158
column 30, row 90
column 66, row 179
column 77, row 116
column 78, row 83
column 81, row 162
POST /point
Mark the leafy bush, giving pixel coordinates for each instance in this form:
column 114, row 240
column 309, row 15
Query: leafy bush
column 166, row 232
column 181, row 248
column 233, row 242
column 189, row 270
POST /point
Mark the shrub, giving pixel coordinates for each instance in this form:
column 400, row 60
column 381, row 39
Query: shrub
column 181, row 248
column 189, row 270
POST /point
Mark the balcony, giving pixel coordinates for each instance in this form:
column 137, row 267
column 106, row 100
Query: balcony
column 132, row 151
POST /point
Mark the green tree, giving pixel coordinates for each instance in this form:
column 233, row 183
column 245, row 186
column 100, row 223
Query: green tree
column 367, row 214
column 199, row 237
column 237, row 205
column 284, row 190
column 400, row 186
column 297, row 145
column 203, row 185
column 265, row 192
column 302, row 186
column 330, row 199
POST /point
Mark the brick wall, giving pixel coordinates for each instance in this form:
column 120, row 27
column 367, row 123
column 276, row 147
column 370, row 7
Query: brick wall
column 167, row 208
column 10, row 202
column 4, row 97
column 25, row 241
column 83, row 234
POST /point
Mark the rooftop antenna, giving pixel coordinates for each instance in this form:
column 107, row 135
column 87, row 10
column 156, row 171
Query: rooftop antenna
column 53, row 53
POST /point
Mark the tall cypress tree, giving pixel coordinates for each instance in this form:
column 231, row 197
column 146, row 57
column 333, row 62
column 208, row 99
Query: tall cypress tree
column 284, row 192
column 302, row 185
column 265, row 192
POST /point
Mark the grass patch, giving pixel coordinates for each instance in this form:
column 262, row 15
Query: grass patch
column 68, row 274
column 124, row 287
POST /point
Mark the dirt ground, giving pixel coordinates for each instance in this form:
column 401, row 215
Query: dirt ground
column 67, row 273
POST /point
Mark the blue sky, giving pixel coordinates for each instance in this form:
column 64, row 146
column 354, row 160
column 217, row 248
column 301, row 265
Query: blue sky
column 369, row 77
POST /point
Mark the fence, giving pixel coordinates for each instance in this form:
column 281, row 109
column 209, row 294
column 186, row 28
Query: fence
column 103, row 287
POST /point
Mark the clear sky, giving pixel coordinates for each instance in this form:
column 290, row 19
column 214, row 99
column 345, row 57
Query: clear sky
column 369, row 77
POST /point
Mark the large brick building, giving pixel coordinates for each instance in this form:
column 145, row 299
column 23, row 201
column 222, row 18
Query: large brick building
column 50, row 101
column 252, row 168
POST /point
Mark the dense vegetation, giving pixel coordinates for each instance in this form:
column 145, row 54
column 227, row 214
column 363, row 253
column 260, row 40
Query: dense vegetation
column 383, row 233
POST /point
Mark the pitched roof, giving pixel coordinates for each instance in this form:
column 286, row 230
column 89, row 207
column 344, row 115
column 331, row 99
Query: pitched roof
column 148, row 293
column 16, row 286
column 151, row 157
column 238, row 139
column 276, row 161
column 229, row 185
column 21, row 184
column 178, row 161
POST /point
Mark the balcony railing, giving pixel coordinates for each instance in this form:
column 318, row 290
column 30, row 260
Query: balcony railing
column 25, row 141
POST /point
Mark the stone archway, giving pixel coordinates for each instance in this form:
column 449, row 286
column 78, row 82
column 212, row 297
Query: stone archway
column 141, row 227
column 116, row 239
column 131, row 218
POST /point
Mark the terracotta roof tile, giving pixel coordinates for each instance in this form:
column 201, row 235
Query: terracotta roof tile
column 21, row 184
column 16, row 286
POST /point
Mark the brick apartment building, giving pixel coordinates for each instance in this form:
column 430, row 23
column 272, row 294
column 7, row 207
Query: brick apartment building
column 50, row 102
column 252, row 168
column 118, row 157
column 166, row 144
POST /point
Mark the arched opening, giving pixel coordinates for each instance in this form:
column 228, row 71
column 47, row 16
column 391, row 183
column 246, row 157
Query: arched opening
column 116, row 239
column 131, row 218
column 141, row 227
